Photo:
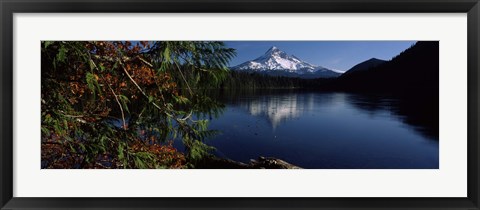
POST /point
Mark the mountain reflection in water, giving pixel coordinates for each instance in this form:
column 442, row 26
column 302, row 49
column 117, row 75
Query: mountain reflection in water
column 329, row 130
column 282, row 108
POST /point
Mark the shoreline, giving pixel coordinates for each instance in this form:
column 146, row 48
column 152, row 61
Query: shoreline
column 261, row 162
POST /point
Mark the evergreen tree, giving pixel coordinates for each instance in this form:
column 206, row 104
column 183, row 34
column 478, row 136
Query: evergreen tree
column 153, row 89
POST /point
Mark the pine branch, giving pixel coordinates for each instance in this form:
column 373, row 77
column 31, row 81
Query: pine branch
column 119, row 104
column 114, row 94
column 186, row 82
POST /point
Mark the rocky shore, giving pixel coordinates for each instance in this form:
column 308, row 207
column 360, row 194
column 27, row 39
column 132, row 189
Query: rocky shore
column 259, row 163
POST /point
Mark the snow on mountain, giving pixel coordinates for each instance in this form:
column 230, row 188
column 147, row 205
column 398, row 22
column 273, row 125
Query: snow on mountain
column 279, row 63
column 338, row 71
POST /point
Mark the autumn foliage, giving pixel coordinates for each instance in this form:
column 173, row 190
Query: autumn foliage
column 120, row 104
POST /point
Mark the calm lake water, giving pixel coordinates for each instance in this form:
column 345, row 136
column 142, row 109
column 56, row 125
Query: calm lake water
column 329, row 130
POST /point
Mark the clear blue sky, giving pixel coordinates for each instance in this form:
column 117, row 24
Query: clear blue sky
column 339, row 55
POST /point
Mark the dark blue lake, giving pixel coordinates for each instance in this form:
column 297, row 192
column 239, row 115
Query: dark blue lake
column 329, row 130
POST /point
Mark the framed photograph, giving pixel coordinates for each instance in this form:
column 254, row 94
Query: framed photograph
column 239, row 105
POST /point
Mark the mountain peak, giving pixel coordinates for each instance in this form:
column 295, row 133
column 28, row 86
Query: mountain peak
column 273, row 50
column 374, row 59
column 365, row 65
column 280, row 63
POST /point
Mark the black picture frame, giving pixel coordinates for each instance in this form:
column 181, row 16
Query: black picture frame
column 9, row 7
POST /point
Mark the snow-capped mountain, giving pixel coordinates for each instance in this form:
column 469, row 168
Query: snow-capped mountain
column 278, row 63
